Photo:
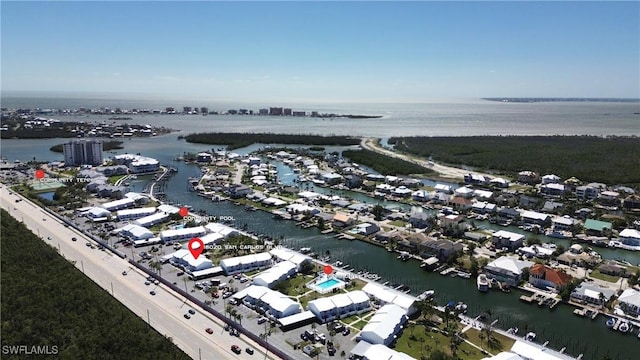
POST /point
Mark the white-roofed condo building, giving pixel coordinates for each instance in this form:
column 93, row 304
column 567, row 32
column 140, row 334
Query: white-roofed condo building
column 183, row 234
column 272, row 303
column 246, row 263
column 340, row 306
column 385, row 325
column 278, row 272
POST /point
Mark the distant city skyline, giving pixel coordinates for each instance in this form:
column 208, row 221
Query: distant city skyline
column 323, row 51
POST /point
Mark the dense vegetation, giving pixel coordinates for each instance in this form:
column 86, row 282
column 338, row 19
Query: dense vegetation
column 239, row 140
column 385, row 165
column 611, row 160
column 47, row 301
column 106, row 146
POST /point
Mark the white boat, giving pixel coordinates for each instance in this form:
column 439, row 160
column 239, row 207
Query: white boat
column 530, row 336
column 482, row 282
column 426, row 295
column 624, row 327
column 610, row 322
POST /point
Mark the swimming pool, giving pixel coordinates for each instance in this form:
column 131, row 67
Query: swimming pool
column 325, row 284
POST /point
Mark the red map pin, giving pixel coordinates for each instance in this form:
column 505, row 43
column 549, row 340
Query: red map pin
column 196, row 246
column 328, row 269
column 39, row 174
column 183, row 211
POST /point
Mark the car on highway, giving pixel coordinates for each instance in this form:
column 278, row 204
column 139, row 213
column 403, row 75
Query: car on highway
column 187, row 316
column 152, row 292
column 236, row 349
column 209, row 330
column 249, row 351
column 192, row 312
column 74, row 239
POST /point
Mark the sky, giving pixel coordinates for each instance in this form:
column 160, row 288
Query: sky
column 323, row 51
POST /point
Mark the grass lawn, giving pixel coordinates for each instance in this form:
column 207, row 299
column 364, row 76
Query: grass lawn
column 295, row 286
column 398, row 223
column 417, row 341
column 113, row 179
column 598, row 275
column 503, row 343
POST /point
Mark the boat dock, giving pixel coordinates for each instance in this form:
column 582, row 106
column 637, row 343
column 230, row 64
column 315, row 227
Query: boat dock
column 585, row 312
column 541, row 300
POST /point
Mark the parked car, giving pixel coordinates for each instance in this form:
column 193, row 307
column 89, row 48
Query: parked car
column 236, row 349
column 124, row 273
column 152, row 292
column 187, row 316
column 192, row 312
column 209, row 330
column 262, row 320
column 249, row 351
column 346, row 331
column 74, row 239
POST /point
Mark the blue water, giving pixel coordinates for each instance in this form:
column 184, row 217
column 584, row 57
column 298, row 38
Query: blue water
column 328, row 284
column 47, row 195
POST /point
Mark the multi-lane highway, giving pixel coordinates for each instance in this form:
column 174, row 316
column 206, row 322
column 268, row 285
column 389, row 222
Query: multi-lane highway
column 164, row 311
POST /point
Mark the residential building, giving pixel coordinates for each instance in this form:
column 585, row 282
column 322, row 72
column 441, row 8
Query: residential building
column 246, row 263
column 132, row 214
column 629, row 301
column 597, row 227
column 534, row 217
column 528, row 177
column 510, row 240
column 119, row 204
column 82, row 153
column 507, row 269
column 544, row 277
column 593, row 294
column 366, row 351
column 275, row 274
column 342, row 220
column 385, row 326
column 273, row 304
column 630, row 237
column 183, row 234
column 387, row 295
column 340, row 306
column 443, row 249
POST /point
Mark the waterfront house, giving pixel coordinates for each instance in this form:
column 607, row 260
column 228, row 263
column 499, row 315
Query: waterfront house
column 597, row 227
column 509, row 213
column 237, row 191
column 332, row 178
column 442, row 188
column 564, row 223
column 152, row 219
column 510, row 240
column 587, row 293
column 534, row 217
column 460, row 203
column 366, row 229
column 352, row 181
column 544, row 277
column 443, row 249
column 483, row 207
column 629, row 302
column 411, row 242
column 464, row 192
column 385, row 326
column 402, row 192
column 507, row 269
column 342, row 220
column 630, row 237
column 482, row 194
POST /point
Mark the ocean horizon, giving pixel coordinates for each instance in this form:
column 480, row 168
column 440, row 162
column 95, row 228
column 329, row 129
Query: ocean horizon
column 446, row 117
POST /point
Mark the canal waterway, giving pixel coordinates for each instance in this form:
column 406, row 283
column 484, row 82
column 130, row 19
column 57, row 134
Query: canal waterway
column 560, row 327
